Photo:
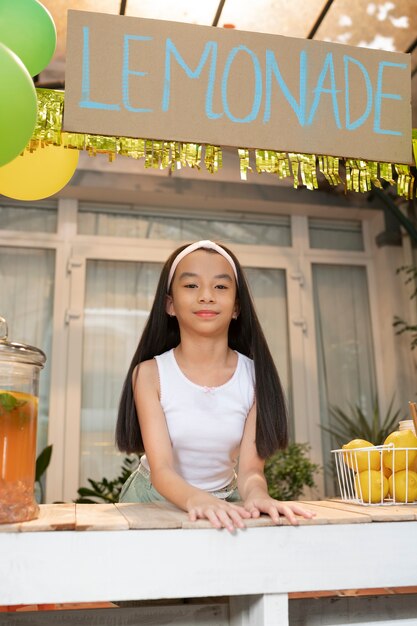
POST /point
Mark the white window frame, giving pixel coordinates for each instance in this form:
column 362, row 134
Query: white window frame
column 143, row 250
column 309, row 430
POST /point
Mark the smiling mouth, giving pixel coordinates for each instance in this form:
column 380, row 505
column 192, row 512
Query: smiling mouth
column 206, row 313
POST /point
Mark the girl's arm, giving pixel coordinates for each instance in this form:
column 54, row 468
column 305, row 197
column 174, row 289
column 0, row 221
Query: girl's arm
column 158, row 449
column 252, row 484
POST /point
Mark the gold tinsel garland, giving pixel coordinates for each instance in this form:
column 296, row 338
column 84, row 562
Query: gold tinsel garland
column 161, row 154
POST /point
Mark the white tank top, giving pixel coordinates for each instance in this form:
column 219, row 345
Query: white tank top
column 205, row 424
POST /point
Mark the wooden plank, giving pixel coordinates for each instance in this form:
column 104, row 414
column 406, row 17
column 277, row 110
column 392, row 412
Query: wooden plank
column 10, row 528
column 328, row 516
column 377, row 513
column 360, row 611
column 166, row 515
column 260, row 522
column 322, row 516
column 51, row 517
column 412, row 507
column 153, row 515
column 167, row 614
column 333, row 515
column 99, row 517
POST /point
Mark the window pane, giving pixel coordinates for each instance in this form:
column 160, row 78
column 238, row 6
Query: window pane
column 335, row 234
column 41, row 219
column 345, row 349
column 120, row 223
column 118, row 299
column 27, row 284
column 269, row 292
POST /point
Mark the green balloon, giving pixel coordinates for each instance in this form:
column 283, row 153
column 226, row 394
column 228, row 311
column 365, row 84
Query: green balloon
column 28, row 29
column 18, row 105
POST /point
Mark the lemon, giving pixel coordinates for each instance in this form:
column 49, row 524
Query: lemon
column 371, row 486
column 399, row 460
column 403, row 486
column 413, row 465
column 387, row 471
column 363, row 460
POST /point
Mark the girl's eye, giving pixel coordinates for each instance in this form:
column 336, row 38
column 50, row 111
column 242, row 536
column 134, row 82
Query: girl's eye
column 221, row 287
column 191, row 286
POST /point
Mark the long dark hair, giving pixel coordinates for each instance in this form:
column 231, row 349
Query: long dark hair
column 162, row 333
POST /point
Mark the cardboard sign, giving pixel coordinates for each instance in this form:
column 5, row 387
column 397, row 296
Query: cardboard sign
column 155, row 79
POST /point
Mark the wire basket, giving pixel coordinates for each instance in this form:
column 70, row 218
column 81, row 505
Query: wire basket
column 377, row 475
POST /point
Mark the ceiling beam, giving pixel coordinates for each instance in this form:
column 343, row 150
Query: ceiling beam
column 218, row 13
column 320, row 18
column 396, row 212
column 409, row 50
column 122, row 10
column 412, row 46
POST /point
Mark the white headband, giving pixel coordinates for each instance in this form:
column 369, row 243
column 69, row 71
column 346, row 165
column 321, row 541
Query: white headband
column 195, row 246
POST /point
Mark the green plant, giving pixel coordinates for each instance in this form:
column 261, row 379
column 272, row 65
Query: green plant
column 105, row 490
column 401, row 325
column 356, row 426
column 288, row 471
column 42, row 463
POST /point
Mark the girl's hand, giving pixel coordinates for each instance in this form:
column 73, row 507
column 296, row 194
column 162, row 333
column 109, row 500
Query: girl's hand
column 275, row 508
column 221, row 514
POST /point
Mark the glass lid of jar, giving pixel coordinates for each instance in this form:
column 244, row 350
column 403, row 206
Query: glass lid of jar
column 18, row 352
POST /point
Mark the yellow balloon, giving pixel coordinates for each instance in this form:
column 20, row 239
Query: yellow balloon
column 39, row 174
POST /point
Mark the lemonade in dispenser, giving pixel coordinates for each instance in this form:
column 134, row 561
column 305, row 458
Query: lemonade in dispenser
column 20, row 365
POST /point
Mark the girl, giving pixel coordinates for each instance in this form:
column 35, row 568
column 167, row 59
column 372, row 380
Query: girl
column 190, row 400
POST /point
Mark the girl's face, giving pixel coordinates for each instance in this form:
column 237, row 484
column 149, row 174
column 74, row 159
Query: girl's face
column 203, row 293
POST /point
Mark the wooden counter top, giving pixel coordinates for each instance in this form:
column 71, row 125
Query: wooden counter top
column 96, row 517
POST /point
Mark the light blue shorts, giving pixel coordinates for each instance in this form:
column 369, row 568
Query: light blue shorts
column 138, row 488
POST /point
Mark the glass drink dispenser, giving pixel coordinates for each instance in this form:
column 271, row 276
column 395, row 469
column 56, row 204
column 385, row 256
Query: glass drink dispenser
column 20, row 365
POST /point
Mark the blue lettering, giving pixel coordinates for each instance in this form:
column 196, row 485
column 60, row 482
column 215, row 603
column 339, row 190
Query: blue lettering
column 379, row 95
column 299, row 108
column 126, row 72
column 170, row 49
column 258, row 86
column 349, row 124
column 85, row 101
column 328, row 65
column 210, row 87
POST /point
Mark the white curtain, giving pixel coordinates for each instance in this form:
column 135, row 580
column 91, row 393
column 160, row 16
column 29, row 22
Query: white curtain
column 119, row 296
column 344, row 344
column 335, row 234
column 276, row 232
column 269, row 292
column 29, row 218
column 26, row 301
